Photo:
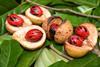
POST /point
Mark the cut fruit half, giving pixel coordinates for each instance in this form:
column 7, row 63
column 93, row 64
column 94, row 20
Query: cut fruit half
column 31, row 45
column 12, row 28
column 87, row 45
column 35, row 18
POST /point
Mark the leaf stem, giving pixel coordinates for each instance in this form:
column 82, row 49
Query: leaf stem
column 22, row 1
column 64, row 10
column 99, row 34
column 60, row 53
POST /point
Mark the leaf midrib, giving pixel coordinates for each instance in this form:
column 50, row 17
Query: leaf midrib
column 9, row 53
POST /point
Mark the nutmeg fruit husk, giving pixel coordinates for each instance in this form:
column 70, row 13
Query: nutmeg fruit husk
column 87, row 45
column 63, row 32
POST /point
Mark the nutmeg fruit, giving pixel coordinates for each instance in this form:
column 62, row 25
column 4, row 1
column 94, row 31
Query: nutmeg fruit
column 57, row 29
column 87, row 45
column 64, row 31
column 30, row 37
column 37, row 14
column 15, row 22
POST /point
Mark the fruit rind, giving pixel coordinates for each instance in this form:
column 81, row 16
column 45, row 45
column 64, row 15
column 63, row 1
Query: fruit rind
column 63, row 32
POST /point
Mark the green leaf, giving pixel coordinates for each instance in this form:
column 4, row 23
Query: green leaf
column 96, row 12
column 28, row 58
column 48, row 42
column 75, row 20
column 43, row 2
column 90, row 3
column 45, row 59
column 4, row 37
column 85, row 9
column 63, row 4
column 57, row 2
column 10, row 51
column 2, row 9
column 91, row 60
column 56, row 45
column 96, row 22
column 6, row 5
column 59, row 64
column 48, row 57
column 20, row 1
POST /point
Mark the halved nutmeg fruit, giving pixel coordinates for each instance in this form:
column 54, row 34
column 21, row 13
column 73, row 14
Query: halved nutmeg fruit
column 37, row 14
column 14, row 22
column 57, row 29
column 84, row 41
column 31, row 37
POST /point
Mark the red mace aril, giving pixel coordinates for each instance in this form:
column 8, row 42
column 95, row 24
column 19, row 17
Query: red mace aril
column 36, row 10
column 33, row 35
column 15, row 20
column 76, row 40
column 53, row 28
column 82, row 31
